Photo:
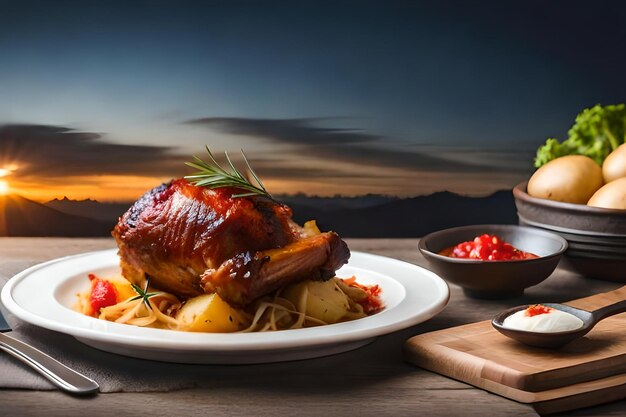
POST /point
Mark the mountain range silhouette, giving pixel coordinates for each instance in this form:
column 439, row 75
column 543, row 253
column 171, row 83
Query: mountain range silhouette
column 367, row 216
column 413, row 217
column 20, row 216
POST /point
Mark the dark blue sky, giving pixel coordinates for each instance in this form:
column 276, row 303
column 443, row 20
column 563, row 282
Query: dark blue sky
column 349, row 97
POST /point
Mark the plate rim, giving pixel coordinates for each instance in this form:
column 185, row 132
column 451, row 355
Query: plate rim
column 215, row 341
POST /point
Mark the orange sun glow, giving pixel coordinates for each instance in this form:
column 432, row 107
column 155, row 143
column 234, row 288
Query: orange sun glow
column 4, row 187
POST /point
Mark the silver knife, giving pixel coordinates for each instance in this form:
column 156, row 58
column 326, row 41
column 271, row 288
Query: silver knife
column 57, row 373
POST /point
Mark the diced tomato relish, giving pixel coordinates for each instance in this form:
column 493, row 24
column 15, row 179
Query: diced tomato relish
column 487, row 248
column 537, row 309
column 372, row 303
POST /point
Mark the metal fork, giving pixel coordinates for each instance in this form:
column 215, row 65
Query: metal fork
column 57, row 373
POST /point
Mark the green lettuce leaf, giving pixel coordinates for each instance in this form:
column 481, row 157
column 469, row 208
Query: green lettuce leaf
column 596, row 133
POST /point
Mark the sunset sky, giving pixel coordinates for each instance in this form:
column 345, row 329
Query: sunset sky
column 107, row 99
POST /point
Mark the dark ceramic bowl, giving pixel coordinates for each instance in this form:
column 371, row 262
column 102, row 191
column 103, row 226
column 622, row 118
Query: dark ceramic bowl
column 494, row 279
column 568, row 217
column 596, row 236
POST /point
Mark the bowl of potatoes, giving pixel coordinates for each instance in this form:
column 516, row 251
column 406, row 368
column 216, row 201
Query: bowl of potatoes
column 585, row 203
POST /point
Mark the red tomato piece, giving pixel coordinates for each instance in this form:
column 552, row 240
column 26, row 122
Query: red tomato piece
column 103, row 294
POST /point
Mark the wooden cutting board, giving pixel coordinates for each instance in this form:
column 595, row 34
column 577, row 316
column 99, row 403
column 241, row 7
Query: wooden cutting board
column 586, row 372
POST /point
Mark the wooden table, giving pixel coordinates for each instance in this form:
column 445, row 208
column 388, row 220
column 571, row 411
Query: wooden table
column 371, row 381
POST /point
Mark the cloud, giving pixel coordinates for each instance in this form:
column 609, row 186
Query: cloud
column 297, row 131
column 353, row 146
column 57, row 151
column 319, row 160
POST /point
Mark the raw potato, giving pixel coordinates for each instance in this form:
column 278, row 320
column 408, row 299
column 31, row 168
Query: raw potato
column 614, row 166
column 612, row 195
column 325, row 300
column 208, row 313
column 571, row 179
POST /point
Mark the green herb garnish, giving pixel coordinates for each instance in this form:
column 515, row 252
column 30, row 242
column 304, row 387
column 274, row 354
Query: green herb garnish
column 212, row 175
column 143, row 293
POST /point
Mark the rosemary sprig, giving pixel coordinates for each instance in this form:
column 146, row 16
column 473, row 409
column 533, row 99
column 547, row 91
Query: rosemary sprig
column 143, row 293
column 212, row 175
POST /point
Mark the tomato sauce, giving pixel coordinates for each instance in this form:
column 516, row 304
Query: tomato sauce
column 537, row 309
column 371, row 303
column 487, row 248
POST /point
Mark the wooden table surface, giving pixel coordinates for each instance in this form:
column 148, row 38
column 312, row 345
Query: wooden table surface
column 371, row 381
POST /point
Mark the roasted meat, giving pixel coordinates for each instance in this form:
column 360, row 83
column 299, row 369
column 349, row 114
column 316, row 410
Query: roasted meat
column 192, row 240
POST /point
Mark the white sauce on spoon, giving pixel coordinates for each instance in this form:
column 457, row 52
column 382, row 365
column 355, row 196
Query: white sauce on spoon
column 554, row 321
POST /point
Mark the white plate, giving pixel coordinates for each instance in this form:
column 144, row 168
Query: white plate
column 44, row 295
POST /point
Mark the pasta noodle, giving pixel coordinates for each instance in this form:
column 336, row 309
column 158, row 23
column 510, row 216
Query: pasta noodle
column 137, row 313
column 306, row 304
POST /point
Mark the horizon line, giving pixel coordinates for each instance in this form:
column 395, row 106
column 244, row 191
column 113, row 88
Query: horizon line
column 283, row 195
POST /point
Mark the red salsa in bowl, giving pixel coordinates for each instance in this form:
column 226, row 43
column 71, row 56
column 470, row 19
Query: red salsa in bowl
column 487, row 248
column 489, row 266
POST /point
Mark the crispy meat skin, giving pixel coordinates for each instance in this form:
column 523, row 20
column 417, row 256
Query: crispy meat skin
column 315, row 258
column 191, row 240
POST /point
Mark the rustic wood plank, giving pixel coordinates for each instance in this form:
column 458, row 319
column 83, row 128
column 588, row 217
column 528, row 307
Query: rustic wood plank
column 271, row 403
column 372, row 381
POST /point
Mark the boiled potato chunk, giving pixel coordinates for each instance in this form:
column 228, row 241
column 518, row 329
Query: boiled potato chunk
column 614, row 165
column 325, row 301
column 208, row 313
column 612, row 195
column 310, row 228
column 570, row 179
column 123, row 288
